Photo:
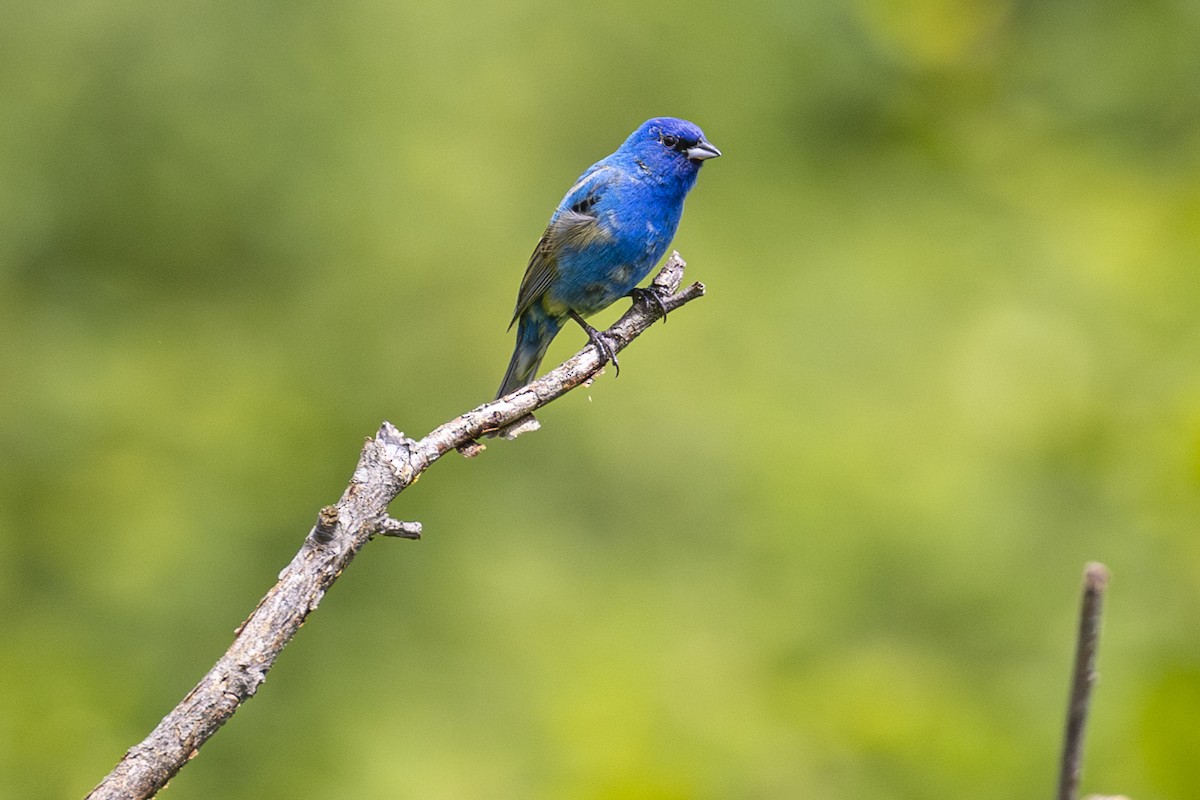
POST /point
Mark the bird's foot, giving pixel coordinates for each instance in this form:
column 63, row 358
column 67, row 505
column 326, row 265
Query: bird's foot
column 599, row 341
column 604, row 348
column 651, row 297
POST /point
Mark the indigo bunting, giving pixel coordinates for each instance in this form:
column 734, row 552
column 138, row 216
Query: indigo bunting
column 612, row 227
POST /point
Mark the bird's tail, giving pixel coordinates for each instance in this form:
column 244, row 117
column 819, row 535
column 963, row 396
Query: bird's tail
column 535, row 331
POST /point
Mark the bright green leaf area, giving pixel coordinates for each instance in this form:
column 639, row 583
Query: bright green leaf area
column 822, row 538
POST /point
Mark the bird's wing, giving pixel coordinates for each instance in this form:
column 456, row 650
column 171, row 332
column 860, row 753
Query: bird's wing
column 574, row 224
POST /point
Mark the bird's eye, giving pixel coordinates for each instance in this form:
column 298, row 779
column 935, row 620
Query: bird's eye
column 670, row 141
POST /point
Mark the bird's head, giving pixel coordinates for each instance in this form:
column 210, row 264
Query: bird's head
column 669, row 145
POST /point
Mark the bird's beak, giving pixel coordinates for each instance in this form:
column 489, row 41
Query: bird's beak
column 702, row 151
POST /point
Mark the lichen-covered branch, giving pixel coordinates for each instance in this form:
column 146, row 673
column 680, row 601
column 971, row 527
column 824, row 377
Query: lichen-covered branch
column 389, row 463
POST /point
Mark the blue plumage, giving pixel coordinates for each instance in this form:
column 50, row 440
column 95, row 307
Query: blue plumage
column 607, row 233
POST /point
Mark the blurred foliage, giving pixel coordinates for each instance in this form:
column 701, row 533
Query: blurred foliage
column 823, row 538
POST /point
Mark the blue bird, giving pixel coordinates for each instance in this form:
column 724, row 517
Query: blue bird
column 612, row 227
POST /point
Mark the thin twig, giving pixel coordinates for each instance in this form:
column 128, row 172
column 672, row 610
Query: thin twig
column 390, row 462
column 1095, row 582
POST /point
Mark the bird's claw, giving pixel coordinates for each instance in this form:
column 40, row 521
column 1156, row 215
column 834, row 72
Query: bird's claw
column 599, row 341
column 605, row 349
column 650, row 297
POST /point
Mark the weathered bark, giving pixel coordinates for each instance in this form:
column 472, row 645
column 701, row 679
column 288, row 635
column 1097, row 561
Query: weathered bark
column 390, row 462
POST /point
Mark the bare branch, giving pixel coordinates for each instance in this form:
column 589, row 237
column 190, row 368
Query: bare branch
column 1095, row 582
column 389, row 463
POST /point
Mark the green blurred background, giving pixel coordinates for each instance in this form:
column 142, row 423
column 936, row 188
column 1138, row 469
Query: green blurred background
column 824, row 536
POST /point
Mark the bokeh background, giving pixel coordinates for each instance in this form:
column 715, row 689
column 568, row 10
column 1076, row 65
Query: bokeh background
column 823, row 537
